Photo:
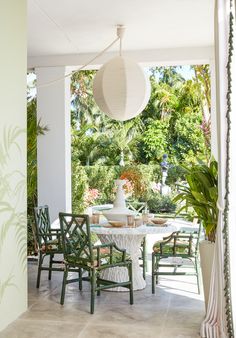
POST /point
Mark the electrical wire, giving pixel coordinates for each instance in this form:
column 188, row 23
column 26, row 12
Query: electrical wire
column 71, row 42
column 82, row 67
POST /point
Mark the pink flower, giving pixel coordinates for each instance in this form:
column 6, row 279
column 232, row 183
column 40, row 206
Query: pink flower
column 128, row 187
column 90, row 196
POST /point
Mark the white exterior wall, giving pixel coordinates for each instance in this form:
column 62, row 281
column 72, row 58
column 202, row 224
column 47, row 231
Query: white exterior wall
column 54, row 148
column 13, row 237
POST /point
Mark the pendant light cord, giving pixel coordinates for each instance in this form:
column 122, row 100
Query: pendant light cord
column 120, row 33
column 82, row 67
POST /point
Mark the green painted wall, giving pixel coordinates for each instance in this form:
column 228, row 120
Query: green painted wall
column 13, row 274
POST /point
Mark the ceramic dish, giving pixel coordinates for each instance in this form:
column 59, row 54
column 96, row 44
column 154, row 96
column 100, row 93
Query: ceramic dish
column 159, row 221
column 117, row 224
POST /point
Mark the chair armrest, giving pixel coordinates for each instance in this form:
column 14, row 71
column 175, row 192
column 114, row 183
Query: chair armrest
column 105, row 245
column 171, row 235
column 47, row 236
column 183, row 236
column 110, row 245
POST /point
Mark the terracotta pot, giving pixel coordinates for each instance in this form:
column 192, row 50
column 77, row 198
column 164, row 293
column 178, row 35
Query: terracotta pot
column 206, row 249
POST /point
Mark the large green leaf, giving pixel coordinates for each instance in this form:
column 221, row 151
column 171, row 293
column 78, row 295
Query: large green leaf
column 201, row 194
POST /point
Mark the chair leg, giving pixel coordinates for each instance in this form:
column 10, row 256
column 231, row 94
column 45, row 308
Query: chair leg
column 50, row 267
column 157, row 269
column 153, row 271
column 98, row 284
column 131, row 291
column 80, row 279
column 197, row 273
column 40, row 261
column 144, row 259
column 93, row 287
column 63, row 289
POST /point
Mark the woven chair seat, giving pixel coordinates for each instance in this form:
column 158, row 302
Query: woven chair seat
column 181, row 247
column 117, row 257
column 51, row 246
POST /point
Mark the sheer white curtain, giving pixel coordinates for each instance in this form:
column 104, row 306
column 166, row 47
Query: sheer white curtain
column 215, row 323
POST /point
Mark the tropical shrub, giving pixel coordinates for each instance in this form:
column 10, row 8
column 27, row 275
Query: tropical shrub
column 79, row 186
column 161, row 204
column 201, row 194
column 142, row 178
column 34, row 129
column 102, row 178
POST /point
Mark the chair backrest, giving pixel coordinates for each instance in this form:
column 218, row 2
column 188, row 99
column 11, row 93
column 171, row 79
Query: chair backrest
column 42, row 223
column 194, row 236
column 76, row 236
column 138, row 207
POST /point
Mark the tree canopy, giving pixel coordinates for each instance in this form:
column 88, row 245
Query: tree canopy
column 176, row 121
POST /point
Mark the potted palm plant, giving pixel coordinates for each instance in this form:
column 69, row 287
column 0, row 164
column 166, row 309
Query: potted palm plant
column 200, row 196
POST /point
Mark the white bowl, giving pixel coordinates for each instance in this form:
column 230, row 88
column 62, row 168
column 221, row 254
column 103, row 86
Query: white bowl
column 117, row 214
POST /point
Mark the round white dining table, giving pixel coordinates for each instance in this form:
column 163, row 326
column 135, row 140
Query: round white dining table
column 129, row 239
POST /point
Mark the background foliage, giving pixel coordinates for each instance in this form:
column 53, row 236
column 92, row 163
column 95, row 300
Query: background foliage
column 176, row 121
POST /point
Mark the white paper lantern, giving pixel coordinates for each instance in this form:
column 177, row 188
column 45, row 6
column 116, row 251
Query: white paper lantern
column 121, row 89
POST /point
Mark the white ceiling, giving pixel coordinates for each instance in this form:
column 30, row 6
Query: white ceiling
column 59, row 27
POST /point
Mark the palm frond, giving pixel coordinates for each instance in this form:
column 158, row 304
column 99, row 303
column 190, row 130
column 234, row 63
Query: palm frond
column 6, row 284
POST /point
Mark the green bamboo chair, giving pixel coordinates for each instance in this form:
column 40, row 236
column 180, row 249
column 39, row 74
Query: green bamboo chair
column 183, row 244
column 81, row 254
column 48, row 242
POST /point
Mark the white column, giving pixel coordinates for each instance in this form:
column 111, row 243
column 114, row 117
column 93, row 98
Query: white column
column 54, row 148
column 214, row 144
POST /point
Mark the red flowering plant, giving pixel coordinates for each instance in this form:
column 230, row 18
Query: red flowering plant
column 90, row 196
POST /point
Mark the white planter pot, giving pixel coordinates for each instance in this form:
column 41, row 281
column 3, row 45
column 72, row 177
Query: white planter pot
column 206, row 249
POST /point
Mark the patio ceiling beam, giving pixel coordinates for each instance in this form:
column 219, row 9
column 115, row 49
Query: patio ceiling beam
column 152, row 57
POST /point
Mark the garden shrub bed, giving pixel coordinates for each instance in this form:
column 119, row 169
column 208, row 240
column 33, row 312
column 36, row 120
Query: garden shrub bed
column 101, row 178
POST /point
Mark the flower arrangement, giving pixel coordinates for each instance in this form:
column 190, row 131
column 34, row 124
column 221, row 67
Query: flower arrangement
column 128, row 187
column 135, row 179
column 90, row 196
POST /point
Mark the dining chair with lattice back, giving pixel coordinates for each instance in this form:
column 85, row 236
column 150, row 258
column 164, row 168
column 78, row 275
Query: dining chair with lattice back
column 81, row 253
column 48, row 242
column 177, row 249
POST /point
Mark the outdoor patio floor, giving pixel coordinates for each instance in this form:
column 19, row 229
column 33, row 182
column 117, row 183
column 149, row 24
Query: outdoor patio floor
column 175, row 311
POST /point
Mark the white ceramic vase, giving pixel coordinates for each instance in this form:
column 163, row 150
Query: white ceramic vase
column 119, row 212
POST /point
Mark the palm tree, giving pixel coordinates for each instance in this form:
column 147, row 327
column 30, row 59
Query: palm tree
column 123, row 136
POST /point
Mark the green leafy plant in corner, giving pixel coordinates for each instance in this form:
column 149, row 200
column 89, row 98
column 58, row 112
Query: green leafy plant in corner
column 201, row 194
column 35, row 128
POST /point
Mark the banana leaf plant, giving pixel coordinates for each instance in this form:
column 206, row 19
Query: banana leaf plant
column 201, row 194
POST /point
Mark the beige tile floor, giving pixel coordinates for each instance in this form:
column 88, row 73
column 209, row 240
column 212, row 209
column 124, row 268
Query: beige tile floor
column 175, row 311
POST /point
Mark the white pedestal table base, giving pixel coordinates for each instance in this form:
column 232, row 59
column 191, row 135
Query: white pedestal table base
column 132, row 244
